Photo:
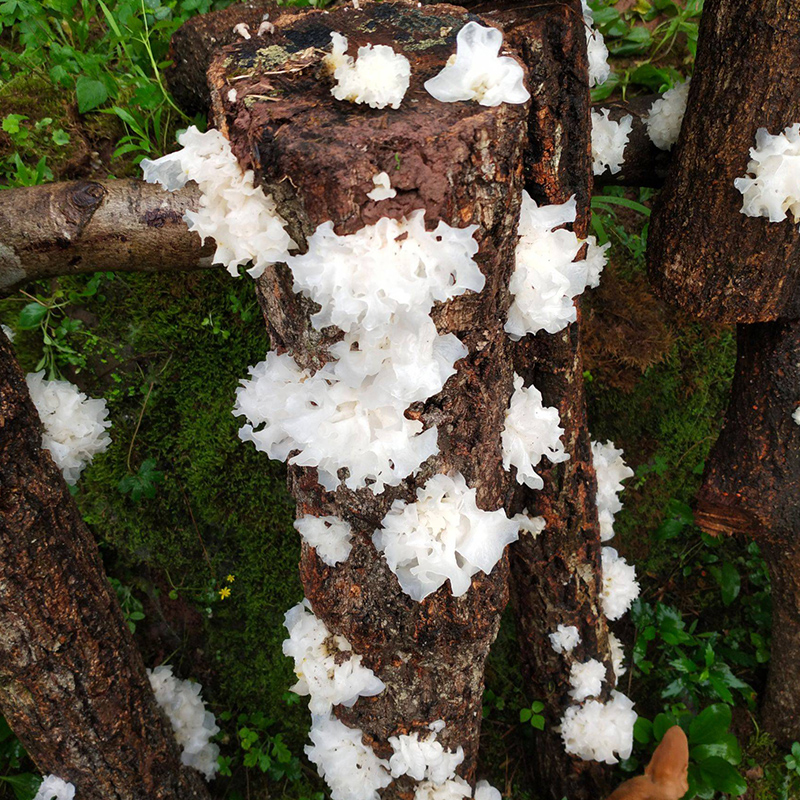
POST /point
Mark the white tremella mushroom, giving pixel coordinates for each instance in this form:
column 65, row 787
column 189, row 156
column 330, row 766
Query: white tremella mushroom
column 421, row 757
column 796, row 415
column 771, row 188
column 243, row 221
column 351, row 768
column 665, row 118
column 611, row 470
column 599, row 70
column 478, row 72
column 383, row 187
column 9, row 334
column 531, row 432
column 378, row 77
column 609, row 139
column 327, row 669
column 192, row 724
column 620, row 587
column 598, row 731
column 54, row 788
column 565, row 639
column 617, row 655
column 329, row 536
column 74, row 424
column 586, row 678
column 547, row 277
column 441, row 537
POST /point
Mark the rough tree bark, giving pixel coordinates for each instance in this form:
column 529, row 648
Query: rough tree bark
column 556, row 576
column 72, row 683
column 751, row 486
column 84, row 226
column 462, row 163
column 703, row 253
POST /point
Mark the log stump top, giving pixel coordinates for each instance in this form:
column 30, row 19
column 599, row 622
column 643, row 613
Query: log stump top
column 285, row 124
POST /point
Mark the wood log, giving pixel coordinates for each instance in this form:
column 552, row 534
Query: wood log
column 462, row 164
column 703, row 254
column 85, row 226
column 556, row 576
column 750, row 487
column 73, row 686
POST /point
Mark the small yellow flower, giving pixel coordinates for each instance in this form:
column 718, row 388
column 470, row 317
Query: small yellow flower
column 224, row 592
column 230, row 578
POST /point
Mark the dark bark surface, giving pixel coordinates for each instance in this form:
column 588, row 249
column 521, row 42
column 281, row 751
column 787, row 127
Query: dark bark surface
column 556, row 576
column 703, row 253
column 751, row 486
column 72, row 684
column 462, row 163
column 84, row 226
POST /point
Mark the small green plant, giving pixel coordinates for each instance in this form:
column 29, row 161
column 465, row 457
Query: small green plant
column 143, row 483
column 13, row 766
column 533, row 715
column 714, row 752
column 132, row 608
column 492, row 702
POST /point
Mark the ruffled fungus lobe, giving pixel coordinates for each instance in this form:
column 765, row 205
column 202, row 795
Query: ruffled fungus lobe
column 74, row 424
column 378, row 77
column 598, row 731
column 242, row 220
column 53, row 788
column 586, row 679
column 193, row 725
column 611, row 470
column 599, row 69
column 609, row 139
column 350, row 768
column 547, row 277
column 620, row 587
column 565, row 638
column 328, row 535
column 772, row 187
column 478, row 71
column 327, row 669
column 441, row 537
column 421, row 757
column 665, row 118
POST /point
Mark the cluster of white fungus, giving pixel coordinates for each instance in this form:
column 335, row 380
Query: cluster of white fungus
column 611, row 470
column 9, row 334
column 772, row 187
column 528, row 524
column 74, row 424
column 443, row 536
column 547, row 277
column 53, row 788
column 599, row 70
column 193, row 725
column 455, row 789
column 329, row 536
column 609, row 139
column 665, row 117
column 598, row 731
column 421, row 757
column 378, row 285
column 478, row 72
column 383, row 187
column 378, row 77
column 351, row 768
column 531, row 431
column 620, row 587
column 586, row 679
column 796, row 415
column 327, row 670
column 617, row 655
column 565, row 639
column 242, row 220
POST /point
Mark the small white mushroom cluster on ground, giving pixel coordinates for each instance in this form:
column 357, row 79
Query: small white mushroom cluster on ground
column 74, row 424
column 193, row 725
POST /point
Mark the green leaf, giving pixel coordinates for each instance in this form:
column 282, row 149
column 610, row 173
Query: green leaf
column 643, row 730
column 729, row 581
column 31, row 316
column 525, row 714
column 710, row 725
column 538, row 705
column 11, row 123
column 538, row 722
column 24, row 785
column 726, row 747
column 60, row 137
column 661, row 724
column 90, row 94
column 722, row 776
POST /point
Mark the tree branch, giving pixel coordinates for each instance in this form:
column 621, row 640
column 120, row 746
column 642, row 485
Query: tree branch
column 86, row 226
